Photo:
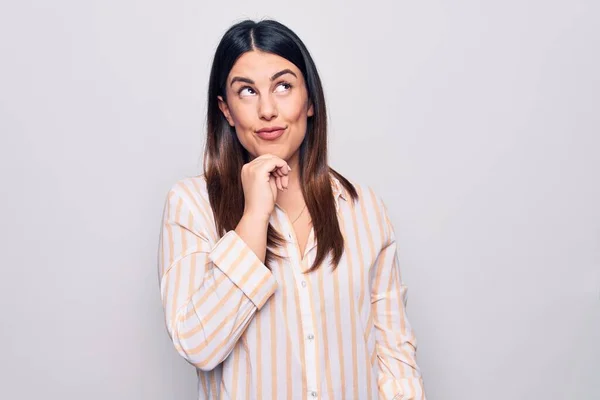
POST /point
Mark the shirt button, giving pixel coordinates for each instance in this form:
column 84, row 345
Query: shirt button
column 313, row 394
column 289, row 235
column 303, row 283
column 311, row 337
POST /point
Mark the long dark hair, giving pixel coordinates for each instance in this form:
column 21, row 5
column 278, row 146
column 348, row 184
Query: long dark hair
column 224, row 155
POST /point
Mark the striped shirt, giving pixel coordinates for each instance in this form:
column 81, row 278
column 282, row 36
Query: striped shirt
column 255, row 333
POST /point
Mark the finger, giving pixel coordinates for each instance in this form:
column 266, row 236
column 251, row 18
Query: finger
column 285, row 181
column 279, row 185
column 264, row 168
column 263, row 158
column 271, row 166
column 284, row 170
column 270, row 162
column 274, row 163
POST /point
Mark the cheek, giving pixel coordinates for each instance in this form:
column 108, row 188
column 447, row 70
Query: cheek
column 294, row 109
column 240, row 114
column 243, row 120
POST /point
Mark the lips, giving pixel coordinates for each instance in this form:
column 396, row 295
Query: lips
column 271, row 133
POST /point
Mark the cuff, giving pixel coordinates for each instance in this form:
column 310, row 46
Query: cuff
column 239, row 263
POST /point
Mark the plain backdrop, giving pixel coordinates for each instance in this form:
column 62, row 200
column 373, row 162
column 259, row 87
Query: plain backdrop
column 477, row 122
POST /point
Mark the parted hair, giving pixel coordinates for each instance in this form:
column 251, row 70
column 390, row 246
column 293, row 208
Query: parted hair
column 224, row 155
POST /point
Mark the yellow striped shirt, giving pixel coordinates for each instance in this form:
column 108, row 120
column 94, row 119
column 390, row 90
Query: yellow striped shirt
column 255, row 333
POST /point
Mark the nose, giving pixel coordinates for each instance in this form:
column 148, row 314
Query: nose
column 267, row 108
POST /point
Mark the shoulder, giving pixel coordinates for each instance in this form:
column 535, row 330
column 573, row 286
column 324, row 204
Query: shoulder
column 192, row 191
column 368, row 207
column 366, row 194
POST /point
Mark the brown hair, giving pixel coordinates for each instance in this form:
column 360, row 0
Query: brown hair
column 224, row 155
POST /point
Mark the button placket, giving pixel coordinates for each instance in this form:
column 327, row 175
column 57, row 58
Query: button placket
column 306, row 317
column 310, row 345
column 307, row 326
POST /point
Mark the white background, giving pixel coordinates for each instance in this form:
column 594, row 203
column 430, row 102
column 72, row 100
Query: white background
column 477, row 122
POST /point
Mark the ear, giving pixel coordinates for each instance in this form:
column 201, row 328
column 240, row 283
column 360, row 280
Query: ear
column 225, row 110
column 311, row 110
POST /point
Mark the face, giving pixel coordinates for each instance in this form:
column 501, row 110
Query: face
column 266, row 91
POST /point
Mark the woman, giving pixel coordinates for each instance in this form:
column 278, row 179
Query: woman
column 279, row 277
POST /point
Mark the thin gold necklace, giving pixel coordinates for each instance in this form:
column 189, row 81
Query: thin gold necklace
column 299, row 214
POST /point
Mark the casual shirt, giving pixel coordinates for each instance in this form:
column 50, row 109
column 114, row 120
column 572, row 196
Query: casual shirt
column 259, row 333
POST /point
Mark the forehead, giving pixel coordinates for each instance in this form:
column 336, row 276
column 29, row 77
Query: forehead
column 258, row 65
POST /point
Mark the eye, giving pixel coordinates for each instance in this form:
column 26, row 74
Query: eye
column 245, row 88
column 287, row 86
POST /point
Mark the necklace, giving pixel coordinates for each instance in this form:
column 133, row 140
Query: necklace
column 300, row 214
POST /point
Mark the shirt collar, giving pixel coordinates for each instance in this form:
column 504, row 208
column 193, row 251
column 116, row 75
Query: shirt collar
column 338, row 190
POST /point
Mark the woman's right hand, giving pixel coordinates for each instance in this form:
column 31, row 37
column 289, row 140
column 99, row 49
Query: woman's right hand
column 261, row 178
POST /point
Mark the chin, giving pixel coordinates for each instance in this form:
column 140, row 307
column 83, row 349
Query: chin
column 273, row 150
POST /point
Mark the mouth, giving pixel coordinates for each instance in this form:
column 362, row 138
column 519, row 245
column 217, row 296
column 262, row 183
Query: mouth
column 270, row 133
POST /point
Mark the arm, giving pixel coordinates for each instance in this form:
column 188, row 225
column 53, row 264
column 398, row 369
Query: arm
column 399, row 377
column 209, row 292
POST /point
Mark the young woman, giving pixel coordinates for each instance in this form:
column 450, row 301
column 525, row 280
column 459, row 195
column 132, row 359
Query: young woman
column 279, row 277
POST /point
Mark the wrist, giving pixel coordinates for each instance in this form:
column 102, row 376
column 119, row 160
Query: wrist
column 255, row 218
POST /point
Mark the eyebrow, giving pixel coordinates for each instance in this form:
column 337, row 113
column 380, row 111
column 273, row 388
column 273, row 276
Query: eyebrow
column 250, row 81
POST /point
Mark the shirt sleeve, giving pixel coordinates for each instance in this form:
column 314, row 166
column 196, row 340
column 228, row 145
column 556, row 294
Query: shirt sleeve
column 209, row 292
column 399, row 377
